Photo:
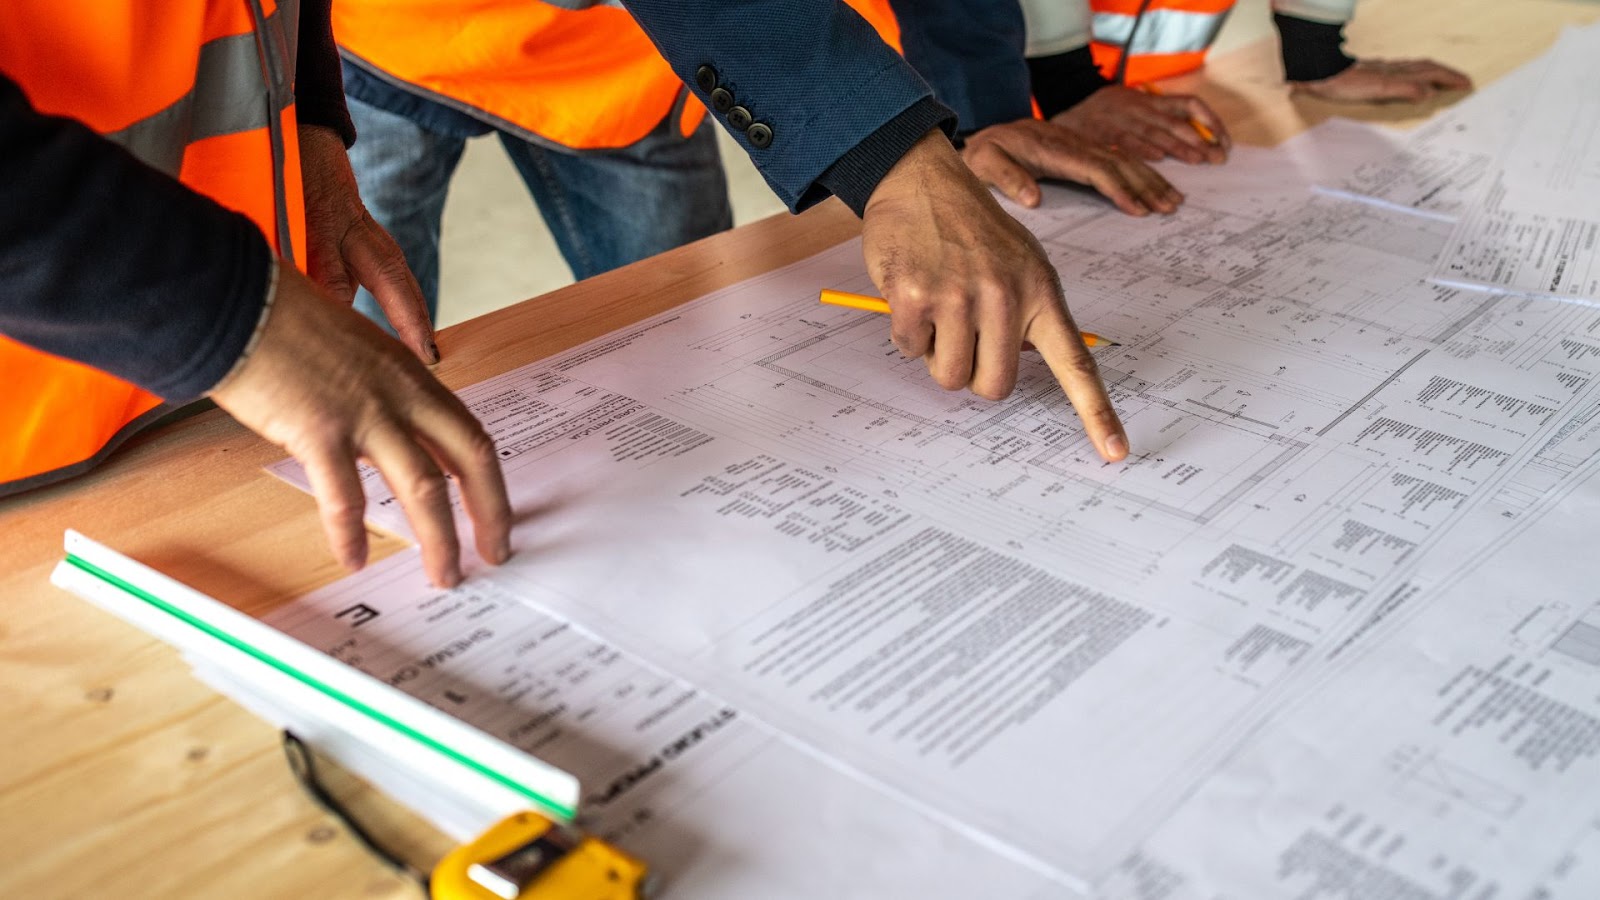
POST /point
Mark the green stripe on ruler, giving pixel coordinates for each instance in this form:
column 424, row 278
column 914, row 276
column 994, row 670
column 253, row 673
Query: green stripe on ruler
column 377, row 716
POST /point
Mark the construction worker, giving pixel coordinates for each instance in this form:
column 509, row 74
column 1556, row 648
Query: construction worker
column 1088, row 56
column 616, row 153
column 151, row 205
column 151, row 202
column 614, row 150
column 823, row 107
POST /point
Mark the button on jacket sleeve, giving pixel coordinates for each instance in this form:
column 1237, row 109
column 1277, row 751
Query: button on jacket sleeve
column 813, row 72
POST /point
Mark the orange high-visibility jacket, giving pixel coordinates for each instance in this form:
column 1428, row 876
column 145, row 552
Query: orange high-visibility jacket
column 583, row 79
column 200, row 90
column 1135, row 41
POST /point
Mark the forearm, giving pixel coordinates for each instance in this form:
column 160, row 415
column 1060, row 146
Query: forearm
column 1311, row 35
column 1063, row 80
column 109, row 262
column 971, row 52
column 1312, row 50
column 319, row 84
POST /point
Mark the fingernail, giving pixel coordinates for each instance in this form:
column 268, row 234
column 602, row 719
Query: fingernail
column 356, row 557
column 1116, row 447
column 505, row 552
column 433, row 350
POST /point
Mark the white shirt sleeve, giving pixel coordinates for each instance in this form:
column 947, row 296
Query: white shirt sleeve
column 1055, row 26
column 1331, row 12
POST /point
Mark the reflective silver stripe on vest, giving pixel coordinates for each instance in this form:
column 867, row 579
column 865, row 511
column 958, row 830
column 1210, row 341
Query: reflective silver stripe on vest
column 277, row 69
column 229, row 96
column 288, row 12
column 1159, row 31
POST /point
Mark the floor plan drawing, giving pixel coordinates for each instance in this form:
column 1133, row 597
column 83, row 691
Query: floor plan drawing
column 1091, row 665
column 933, row 586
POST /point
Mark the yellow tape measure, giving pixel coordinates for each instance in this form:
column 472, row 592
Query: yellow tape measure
column 530, row 857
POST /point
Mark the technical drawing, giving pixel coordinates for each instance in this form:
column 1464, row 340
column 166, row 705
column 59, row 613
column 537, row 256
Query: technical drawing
column 1422, row 776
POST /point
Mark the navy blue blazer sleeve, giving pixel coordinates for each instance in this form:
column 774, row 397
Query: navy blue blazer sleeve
column 812, row 71
column 973, row 53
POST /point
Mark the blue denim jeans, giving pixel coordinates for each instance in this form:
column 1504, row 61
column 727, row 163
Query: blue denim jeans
column 605, row 208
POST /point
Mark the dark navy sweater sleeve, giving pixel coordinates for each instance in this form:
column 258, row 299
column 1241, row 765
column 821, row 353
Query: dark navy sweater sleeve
column 1312, row 51
column 1063, row 80
column 812, row 73
column 109, row 262
column 972, row 53
column 318, row 82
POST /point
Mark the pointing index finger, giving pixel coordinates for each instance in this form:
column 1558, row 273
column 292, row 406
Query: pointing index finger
column 1055, row 336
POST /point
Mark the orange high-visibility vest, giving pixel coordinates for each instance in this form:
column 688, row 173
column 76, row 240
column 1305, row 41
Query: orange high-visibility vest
column 201, row 90
column 1135, row 41
column 583, row 79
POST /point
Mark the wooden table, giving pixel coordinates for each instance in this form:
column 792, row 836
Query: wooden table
column 120, row 775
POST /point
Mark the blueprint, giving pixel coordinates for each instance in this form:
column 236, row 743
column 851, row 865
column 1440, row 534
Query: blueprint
column 1442, row 168
column 1517, row 167
column 1552, row 158
column 1099, row 669
column 1534, row 228
column 1454, row 755
column 719, row 806
column 1440, row 182
column 1503, row 247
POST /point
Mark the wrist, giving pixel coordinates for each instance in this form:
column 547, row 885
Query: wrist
column 854, row 177
column 931, row 155
column 273, row 270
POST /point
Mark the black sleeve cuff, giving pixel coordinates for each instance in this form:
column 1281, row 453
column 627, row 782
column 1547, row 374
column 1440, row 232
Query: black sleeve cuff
column 1312, row 51
column 318, row 82
column 855, row 175
column 1064, row 80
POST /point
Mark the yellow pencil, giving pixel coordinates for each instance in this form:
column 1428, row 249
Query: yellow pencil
column 1198, row 126
column 874, row 304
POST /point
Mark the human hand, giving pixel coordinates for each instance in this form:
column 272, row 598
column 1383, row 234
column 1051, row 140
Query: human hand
column 347, row 248
column 1379, row 81
column 1014, row 155
column 1149, row 126
column 329, row 387
column 967, row 284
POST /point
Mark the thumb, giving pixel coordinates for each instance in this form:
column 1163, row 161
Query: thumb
column 376, row 260
column 326, row 266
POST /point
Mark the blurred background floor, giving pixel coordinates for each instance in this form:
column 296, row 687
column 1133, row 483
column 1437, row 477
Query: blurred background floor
column 496, row 250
